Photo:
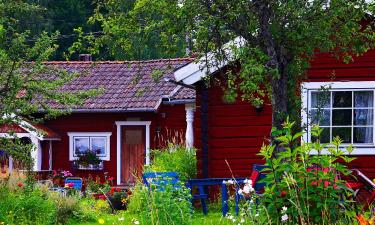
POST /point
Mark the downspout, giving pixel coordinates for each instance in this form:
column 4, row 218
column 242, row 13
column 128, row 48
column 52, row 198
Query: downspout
column 204, row 124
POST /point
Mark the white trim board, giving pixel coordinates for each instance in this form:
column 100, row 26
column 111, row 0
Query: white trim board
column 118, row 151
column 306, row 87
column 195, row 71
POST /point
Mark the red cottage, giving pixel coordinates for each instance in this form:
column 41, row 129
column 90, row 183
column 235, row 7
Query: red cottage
column 235, row 132
column 138, row 110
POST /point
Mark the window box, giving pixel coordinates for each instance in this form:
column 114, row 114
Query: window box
column 78, row 166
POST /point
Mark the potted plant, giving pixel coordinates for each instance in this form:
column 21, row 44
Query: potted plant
column 118, row 198
column 88, row 160
column 96, row 188
column 58, row 177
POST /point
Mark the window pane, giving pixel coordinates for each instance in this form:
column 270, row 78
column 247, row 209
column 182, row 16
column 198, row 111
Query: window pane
column 320, row 117
column 363, row 99
column 320, row 99
column 363, row 135
column 343, row 132
column 98, row 145
column 81, row 145
column 324, row 136
column 342, row 117
column 342, row 99
column 363, row 116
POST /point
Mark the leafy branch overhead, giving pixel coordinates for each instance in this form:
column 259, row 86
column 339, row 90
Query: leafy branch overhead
column 30, row 88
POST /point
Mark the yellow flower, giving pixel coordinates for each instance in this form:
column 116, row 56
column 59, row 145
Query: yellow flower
column 101, row 221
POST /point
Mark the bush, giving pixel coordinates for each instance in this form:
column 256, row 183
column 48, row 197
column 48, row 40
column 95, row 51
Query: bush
column 302, row 188
column 174, row 158
column 158, row 207
column 26, row 206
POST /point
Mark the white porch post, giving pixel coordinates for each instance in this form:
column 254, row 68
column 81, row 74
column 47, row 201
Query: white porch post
column 50, row 156
column 36, row 154
column 189, row 134
column 10, row 164
column 118, row 153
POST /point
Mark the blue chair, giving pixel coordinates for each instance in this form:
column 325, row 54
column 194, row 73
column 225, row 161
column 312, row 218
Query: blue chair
column 158, row 180
column 76, row 181
column 255, row 177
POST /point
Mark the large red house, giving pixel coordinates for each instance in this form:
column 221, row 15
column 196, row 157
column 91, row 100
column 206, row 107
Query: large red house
column 139, row 109
column 235, row 132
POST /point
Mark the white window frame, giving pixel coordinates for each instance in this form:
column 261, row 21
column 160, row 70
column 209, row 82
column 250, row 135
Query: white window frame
column 307, row 87
column 73, row 135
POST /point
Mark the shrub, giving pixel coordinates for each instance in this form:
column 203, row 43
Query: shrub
column 26, row 206
column 158, row 207
column 302, row 188
column 174, row 158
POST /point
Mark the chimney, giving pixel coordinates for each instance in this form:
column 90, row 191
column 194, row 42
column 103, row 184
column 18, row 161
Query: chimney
column 85, row 57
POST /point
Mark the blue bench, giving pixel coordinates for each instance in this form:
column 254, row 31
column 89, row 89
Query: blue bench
column 76, row 181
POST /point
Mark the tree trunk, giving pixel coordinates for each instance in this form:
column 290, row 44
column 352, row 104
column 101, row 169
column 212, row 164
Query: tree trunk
column 277, row 69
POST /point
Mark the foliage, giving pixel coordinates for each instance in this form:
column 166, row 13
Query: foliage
column 279, row 38
column 174, row 158
column 168, row 206
column 20, row 205
column 97, row 186
column 88, row 158
column 127, row 33
column 306, row 188
column 28, row 85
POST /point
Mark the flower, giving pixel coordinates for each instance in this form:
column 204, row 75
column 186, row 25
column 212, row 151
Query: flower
column 102, row 197
column 284, row 209
column 110, row 178
column 121, row 219
column 230, row 182
column 361, row 219
column 136, row 222
column 284, row 218
column 240, row 191
column 69, row 185
column 20, row 184
column 101, row 221
column 247, row 189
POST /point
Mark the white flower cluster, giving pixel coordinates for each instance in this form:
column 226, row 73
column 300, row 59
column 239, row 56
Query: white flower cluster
column 247, row 188
column 234, row 220
column 285, row 216
column 228, row 181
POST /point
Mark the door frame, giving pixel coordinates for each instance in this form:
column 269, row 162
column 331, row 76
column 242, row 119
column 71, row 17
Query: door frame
column 119, row 124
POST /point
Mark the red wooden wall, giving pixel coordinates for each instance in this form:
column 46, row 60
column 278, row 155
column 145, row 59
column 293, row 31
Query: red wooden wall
column 172, row 120
column 236, row 131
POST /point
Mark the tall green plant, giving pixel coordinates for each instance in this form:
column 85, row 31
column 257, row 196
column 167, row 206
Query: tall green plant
column 305, row 188
column 175, row 158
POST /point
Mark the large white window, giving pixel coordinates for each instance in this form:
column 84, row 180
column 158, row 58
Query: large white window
column 343, row 109
column 81, row 142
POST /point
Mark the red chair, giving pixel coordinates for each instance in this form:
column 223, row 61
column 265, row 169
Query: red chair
column 364, row 189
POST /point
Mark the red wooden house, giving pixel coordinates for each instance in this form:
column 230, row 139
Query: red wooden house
column 136, row 112
column 235, row 132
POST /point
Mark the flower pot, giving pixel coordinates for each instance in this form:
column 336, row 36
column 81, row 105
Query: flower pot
column 116, row 203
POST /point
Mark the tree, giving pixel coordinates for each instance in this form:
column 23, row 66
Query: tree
column 126, row 33
column 29, row 88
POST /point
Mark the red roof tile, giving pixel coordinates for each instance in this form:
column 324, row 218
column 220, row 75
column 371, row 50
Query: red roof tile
column 128, row 85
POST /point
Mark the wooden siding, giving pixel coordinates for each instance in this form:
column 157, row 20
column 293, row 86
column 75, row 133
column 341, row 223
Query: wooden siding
column 237, row 131
column 173, row 121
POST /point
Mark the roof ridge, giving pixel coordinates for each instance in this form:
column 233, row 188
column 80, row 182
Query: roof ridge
column 121, row 61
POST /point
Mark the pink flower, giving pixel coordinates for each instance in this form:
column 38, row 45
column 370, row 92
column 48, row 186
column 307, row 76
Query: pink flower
column 110, row 178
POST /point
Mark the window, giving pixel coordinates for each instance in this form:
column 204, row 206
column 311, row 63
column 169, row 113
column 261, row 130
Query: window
column 98, row 142
column 343, row 109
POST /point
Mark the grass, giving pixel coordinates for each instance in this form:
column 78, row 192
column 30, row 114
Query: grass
column 213, row 217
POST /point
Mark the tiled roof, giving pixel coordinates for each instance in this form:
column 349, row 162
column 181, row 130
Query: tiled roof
column 127, row 85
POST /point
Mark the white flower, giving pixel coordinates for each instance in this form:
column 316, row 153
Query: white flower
column 230, row 217
column 136, row 222
column 247, row 189
column 230, row 182
column 256, row 215
column 284, row 209
column 224, row 182
column 284, row 218
column 240, row 191
column 242, row 220
column 121, row 219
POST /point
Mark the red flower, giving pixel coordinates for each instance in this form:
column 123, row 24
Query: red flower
column 54, row 173
column 70, row 185
column 112, row 191
column 283, row 194
column 20, row 184
column 110, row 178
